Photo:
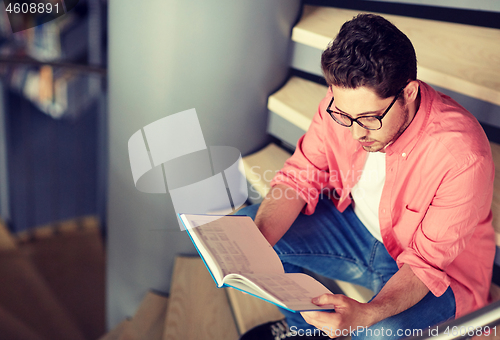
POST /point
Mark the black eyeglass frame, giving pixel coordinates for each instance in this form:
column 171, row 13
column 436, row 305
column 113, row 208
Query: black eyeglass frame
column 330, row 112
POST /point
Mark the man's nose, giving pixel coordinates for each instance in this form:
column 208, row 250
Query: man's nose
column 357, row 131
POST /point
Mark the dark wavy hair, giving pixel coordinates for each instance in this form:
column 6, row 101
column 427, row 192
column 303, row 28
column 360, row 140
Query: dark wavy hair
column 370, row 51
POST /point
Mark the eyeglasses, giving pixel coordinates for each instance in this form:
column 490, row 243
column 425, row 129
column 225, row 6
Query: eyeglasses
column 368, row 122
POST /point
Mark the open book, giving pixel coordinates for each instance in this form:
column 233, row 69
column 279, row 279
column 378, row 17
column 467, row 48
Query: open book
column 237, row 255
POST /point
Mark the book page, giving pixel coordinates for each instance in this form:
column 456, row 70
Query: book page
column 293, row 290
column 235, row 244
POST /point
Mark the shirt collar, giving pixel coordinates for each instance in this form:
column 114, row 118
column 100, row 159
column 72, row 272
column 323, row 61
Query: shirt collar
column 409, row 138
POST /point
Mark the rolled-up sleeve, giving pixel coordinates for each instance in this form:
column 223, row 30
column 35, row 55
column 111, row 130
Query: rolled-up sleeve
column 459, row 208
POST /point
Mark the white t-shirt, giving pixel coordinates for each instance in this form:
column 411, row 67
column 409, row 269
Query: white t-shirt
column 368, row 191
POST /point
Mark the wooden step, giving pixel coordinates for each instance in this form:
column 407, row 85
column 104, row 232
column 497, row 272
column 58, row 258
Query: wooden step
column 13, row 328
column 7, row 241
column 260, row 167
column 27, row 296
column 70, row 257
column 461, row 58
column 82, row 223
column 197, row 309
column 149, row 320
column 250, row 311
column 297, row 101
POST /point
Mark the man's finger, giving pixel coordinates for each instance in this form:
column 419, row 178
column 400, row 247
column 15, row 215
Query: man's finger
column 321, row 318
column 329, row 299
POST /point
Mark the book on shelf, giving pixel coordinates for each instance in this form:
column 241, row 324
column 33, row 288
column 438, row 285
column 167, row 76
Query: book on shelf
column 237, row 255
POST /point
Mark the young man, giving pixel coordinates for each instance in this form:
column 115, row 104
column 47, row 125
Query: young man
column 390, row 188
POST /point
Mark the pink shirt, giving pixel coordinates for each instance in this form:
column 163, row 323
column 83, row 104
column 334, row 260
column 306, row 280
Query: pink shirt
column 435, row 210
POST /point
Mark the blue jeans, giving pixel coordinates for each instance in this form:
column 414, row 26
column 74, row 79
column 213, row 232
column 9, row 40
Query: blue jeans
column 338, row 246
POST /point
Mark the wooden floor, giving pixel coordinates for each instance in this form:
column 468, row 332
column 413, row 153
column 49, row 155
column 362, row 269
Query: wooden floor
column 52, row 282
column 195, row 309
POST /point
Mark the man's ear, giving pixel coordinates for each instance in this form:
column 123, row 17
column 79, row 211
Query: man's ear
column 411, row 91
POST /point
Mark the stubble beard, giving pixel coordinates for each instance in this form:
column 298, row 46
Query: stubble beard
column 405, row 123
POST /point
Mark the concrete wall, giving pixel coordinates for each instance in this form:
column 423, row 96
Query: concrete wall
column 221, row 57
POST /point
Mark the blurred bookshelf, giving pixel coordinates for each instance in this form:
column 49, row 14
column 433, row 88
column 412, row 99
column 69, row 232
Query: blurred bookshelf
column 53, row 83
column 45, row 63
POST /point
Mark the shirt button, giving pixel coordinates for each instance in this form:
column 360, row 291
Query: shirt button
column 383, row 211
column 404, row 154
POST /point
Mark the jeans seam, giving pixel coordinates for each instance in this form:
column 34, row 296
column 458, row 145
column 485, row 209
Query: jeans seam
column 372, row 259
column 322, row 255
column 372, row 255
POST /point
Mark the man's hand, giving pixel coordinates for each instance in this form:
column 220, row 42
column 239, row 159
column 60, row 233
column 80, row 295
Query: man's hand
column 348, row 316
column 402, row 291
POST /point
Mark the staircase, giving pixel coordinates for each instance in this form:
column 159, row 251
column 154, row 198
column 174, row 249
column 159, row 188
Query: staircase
column 196, row 309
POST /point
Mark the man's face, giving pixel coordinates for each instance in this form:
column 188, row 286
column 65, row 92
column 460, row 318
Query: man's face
column 363, row 101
